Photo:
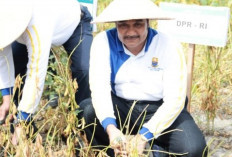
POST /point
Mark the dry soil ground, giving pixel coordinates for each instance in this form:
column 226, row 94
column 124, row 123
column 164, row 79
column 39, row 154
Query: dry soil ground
column 219, row 140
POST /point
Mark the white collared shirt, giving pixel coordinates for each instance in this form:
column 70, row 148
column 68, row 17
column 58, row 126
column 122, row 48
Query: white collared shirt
column 139, row 77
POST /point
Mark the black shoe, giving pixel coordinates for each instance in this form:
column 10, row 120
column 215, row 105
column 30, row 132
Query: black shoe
column 53, row 101
column 2, row 121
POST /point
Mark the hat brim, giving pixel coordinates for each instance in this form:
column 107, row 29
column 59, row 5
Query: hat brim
column 121, row 10
column 14, row 16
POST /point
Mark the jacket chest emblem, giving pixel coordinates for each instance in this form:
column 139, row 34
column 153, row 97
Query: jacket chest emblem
column 154, row 62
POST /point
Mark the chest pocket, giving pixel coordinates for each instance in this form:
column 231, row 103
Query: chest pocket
column 153, row 80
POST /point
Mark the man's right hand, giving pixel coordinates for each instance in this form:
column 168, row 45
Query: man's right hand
column 117, row 140
column 4, row 109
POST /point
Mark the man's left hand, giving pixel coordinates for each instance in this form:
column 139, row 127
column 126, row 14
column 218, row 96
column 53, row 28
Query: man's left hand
column 138, row 143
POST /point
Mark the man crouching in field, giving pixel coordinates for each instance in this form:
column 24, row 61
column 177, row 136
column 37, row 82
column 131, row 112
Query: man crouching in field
column 138, row 85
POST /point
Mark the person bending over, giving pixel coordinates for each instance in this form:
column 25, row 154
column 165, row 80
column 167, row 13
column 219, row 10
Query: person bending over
column 28, row 30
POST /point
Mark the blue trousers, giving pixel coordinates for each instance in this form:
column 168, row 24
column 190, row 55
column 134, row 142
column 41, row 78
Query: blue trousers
column 79, row 58
column 190, row 140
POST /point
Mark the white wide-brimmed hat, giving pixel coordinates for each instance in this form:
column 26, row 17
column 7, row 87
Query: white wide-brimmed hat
column 14, row 18
column 120, row 10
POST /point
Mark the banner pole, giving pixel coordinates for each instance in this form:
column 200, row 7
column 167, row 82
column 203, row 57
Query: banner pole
column 190, row 65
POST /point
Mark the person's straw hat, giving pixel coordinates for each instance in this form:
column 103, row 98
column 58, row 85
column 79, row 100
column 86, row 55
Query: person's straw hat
column 14, row 18
column 120, row 10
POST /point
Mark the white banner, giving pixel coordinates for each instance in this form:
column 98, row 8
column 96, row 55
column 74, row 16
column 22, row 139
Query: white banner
column 195, row 24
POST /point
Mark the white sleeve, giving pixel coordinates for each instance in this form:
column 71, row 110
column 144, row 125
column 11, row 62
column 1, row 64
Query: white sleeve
column 7, row 71
column 99, row 76
column 38, row 42
column 174, row 94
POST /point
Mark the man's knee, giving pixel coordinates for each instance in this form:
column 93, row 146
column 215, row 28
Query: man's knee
column 191, row 149
column 199, row 150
